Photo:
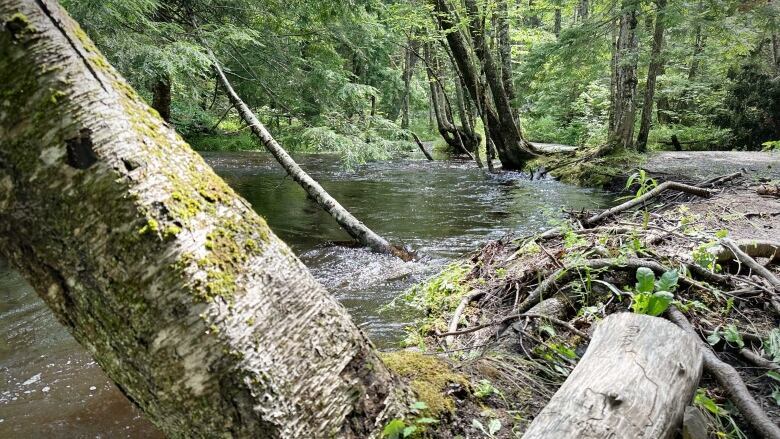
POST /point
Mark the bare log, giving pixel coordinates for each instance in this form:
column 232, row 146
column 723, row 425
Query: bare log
column 667, row 185
column 729, row 379
column 356, row 229
column 635, row 380
column 422, row 147
column 752, row 247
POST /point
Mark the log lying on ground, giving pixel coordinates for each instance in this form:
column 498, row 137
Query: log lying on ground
column 729, row 379
column 667, row 185
column 635, row 380
column 755, row 248
column 744, row 258
column 356, row 229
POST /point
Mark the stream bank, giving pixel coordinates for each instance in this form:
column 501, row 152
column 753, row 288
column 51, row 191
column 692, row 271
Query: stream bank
column 486, row 316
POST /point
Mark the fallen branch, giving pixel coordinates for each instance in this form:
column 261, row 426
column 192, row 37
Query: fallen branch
column 668, row 185
column 458, row 312
column 512, row 317
column 729, row 379
column 422, row 147
column 359, row 231
column 751, row 263
column 752, row 247
column 758, row 360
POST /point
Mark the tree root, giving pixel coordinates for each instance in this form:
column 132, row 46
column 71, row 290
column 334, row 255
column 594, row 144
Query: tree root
column 729, row 379
column 758, row 360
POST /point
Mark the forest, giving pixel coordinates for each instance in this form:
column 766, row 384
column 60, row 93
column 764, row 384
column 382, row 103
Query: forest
column 390, row 219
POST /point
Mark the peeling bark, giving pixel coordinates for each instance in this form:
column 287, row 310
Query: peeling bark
column 199, row 313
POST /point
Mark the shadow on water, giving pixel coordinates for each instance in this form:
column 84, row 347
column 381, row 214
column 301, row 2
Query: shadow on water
column 52, row 388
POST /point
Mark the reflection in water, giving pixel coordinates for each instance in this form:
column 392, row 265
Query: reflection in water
column 49, row 387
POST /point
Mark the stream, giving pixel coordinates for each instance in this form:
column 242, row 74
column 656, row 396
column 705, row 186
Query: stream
column 49, row 386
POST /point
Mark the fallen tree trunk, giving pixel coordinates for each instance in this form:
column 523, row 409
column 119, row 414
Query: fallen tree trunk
column 635, row 380
column 179, row 290
column 422, row 147
column 356, row 229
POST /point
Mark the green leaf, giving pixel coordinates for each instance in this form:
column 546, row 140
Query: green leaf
column 774, row 375
column 494, row 426
column 776, row 394
column 645, row 280
column 419, row 405
column 722, row 233
column 408, row 431
column 702, row 400
column 394, row 429
column 733, row 336
column 714, row 338
column 668, row 281
column 659, row 303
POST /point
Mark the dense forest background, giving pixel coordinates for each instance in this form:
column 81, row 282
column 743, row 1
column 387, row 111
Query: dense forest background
column 357, row 77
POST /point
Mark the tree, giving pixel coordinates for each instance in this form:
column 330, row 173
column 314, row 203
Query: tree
column 472, row 59
column 656, row 65
column 200, row 314
column 621, row 132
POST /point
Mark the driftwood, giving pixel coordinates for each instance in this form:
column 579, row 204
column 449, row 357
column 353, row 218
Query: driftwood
column 635, row 381
column 729, row 379
column 752, row 247
column 667, row 185
column 422, row 147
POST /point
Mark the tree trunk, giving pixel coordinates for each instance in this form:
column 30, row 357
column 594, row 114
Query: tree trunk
column 583, row 9
column 776, row 51
column 656, row 62
column 622, row 133
column 635, row 380
column 505, row 50
column 356, row 229
column 513, row 150
column 698, row 48
column 161, row 98
column 180, row 291
column 557, row 23
column 410, row 60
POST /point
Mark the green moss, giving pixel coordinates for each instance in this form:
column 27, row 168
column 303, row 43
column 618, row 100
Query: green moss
column 171, row 231
column 151, row 226
column 429, row 378
column 584, row 170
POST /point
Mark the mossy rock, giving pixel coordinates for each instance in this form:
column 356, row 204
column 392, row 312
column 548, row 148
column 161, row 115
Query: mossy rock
column 429, row 377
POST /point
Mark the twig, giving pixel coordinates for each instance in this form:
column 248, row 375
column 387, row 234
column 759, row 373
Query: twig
column 729, row 379
column 509, row 318
column 458, row 311
column 758, row 360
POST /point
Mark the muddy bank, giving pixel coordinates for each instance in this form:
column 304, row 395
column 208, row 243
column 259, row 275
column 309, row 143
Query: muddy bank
column 516, row 316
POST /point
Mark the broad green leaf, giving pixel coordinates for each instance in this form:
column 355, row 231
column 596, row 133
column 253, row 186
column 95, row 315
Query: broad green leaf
column 667, row 282
column 774, row 375
column 419, row 405
column 394, row 429
column 772, row 345
column 659, row 302
column 410, row 430
column 733, row 336
column 645, row 280
column 714, row 338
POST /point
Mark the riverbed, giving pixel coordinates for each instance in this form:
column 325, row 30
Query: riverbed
column 49, row 387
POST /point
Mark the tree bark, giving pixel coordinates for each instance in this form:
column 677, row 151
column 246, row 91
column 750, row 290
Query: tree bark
column 356, row 229
column 635, row 380
column 656, row 63
column 505, row 50
column 557, row 23
column 183, row 295
column 161, row 98
column 622, row 131
column 410, row 61
column 513, row 150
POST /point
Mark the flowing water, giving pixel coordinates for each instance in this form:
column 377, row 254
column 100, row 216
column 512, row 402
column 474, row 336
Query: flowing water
column 49, row 387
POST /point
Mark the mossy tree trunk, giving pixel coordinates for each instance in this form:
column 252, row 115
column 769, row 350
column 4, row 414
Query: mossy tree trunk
column 199, row 313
